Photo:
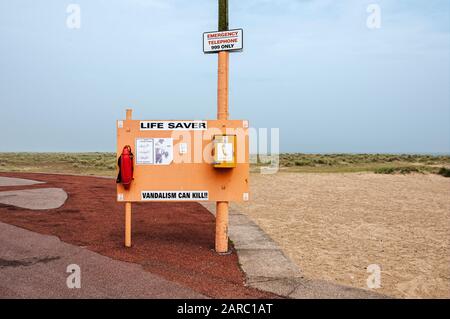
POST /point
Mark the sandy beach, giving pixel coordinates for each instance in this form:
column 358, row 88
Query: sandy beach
column 335, row 225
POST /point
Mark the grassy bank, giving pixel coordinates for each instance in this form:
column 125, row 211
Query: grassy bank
column 105, row 163
column 348, row 163
column 102, row 164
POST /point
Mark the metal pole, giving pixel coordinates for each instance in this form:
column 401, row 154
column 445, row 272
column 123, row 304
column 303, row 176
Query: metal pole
column 222, row 114
column 128, row 204
column 223, row 15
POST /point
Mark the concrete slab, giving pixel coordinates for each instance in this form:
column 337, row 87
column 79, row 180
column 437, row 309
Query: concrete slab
column 10, row 181
column 267, row 263
column 40, row 198
column 232, row 211
column 239, row 219
column 34, row 266
column 249, row 236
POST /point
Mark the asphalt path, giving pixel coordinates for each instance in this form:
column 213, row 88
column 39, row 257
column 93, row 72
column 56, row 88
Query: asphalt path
column 35, row 266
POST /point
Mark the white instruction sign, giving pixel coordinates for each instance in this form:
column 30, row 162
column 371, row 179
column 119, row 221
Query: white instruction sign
column 225, row 152
column 145, row 152
column 163, row 151
column 231, row 40
column 154, row 151
column 183, row 148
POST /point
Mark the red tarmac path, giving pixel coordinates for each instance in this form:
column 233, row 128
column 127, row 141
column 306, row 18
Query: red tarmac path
column 172, row 240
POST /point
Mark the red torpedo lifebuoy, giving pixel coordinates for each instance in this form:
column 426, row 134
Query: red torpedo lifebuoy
column 125, row 167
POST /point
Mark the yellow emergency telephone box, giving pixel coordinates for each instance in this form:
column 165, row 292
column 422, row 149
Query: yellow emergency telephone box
column 224, row 151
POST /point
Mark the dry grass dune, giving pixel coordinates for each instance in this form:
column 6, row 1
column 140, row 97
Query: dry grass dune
column 334, row 225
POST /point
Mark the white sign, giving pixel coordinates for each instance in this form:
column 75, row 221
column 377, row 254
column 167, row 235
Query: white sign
column 156, row 151
column 225, row 152
column 145, row 153
column 231, row 40
column 173, row 125
column 163, row 151
column 174, row 195
column 183, row 148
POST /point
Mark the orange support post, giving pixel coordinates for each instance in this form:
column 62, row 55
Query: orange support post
column 128, row 204
column 222, row 86
column 127, row 224
column 222, row 114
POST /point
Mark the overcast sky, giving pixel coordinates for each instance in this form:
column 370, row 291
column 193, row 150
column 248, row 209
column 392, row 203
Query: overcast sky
column 311, row 68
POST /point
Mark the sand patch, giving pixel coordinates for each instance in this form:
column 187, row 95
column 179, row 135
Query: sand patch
column 335, row 225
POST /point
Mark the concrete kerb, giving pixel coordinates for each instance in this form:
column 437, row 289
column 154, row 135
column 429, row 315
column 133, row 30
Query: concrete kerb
column 262, row 261
column 267, row 267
